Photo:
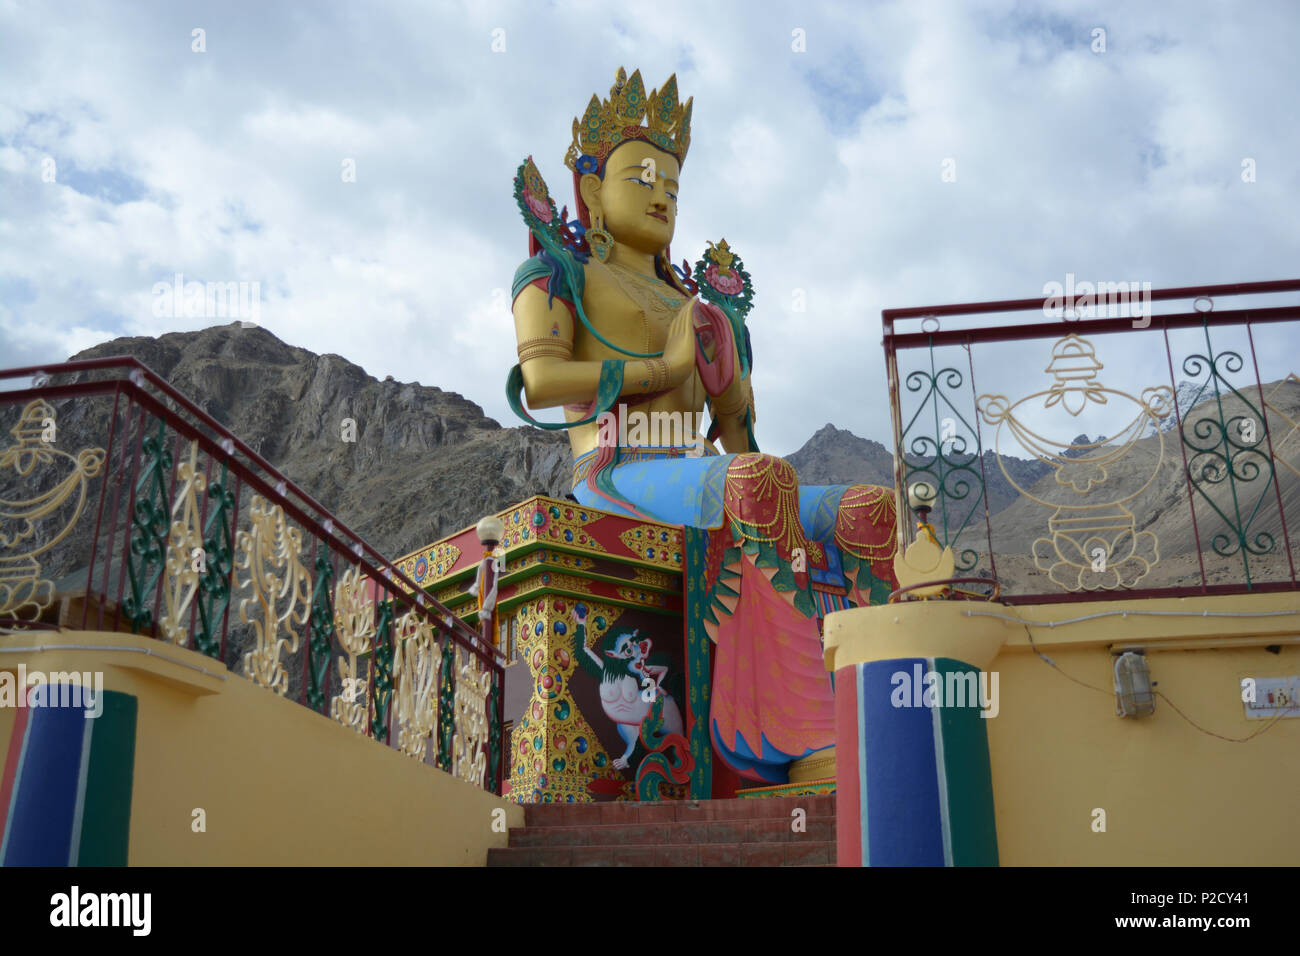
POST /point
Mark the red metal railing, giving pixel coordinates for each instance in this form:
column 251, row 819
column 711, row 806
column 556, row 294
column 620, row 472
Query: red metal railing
column 150, row 436
column 1235, row 431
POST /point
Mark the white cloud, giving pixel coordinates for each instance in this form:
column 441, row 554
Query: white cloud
column 822, row 169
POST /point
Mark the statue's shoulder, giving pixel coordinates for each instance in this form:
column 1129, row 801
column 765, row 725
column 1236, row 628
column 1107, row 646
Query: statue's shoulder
column 530, row 270
column 557, row 279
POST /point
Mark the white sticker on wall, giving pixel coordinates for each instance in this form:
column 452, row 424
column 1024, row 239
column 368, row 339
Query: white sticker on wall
column 1266, row 697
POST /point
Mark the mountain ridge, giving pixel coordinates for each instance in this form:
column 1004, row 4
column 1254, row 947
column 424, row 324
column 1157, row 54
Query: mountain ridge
column 427, row 462
column 289, row 405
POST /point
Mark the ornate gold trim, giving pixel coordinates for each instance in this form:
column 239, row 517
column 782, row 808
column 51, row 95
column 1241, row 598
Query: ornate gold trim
column 543, row 345
column 636, row 539
column 654, row 579
column 651, row 599
column 564, row 581
column 439, row 559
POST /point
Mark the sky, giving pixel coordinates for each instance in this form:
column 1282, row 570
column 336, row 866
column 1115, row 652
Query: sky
column 856, row 156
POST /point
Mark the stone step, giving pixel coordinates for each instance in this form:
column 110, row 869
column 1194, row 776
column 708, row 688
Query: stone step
column 767, row 830
column 818, row 853
column 818, row 806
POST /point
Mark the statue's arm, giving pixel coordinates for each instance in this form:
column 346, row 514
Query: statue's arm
column 731, row 406
column 731, row 421
column 585, row 656
column 544, row 333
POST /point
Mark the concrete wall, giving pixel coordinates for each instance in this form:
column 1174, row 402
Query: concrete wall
column 1172, row 794
column 280, row 785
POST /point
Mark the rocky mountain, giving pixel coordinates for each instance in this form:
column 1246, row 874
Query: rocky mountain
column 1147, row 478
column 834, row 456
column 1229, row 493
column 425, row 462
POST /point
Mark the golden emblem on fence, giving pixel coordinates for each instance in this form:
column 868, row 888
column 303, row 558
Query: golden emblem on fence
column 1093, row 541
column 32, row 526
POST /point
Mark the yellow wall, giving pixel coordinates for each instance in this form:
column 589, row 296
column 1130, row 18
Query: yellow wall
column 1172, row 795
column 280, row 785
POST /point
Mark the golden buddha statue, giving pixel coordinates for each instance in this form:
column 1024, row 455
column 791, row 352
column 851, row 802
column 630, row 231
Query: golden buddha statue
column 609, row 330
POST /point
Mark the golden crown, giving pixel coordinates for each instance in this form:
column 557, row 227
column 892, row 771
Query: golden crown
column 607, row 125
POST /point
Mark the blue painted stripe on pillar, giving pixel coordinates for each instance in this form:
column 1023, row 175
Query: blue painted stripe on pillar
column 45, row 794
column 903, row 804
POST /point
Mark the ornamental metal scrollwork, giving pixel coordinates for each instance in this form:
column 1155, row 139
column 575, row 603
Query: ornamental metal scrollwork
column 272, row 545
column 184, row 550
column 354, row 625
column 944, row 458
column 446, row 702
column 1229, row 451
column 219, row 555
column 149, row 525
column 24, row 594
column 495, row 731
column 473, row 686
column 322, row 631
column 381, row 672
column 416, row 669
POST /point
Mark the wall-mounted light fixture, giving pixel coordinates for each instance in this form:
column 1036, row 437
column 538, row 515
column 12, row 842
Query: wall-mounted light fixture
column 1134, row 696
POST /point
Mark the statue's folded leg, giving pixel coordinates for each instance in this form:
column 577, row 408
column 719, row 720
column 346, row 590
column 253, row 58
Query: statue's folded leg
column 685, row 490
column 771, row 700
column 859, row 522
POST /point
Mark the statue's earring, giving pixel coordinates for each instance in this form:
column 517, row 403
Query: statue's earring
column 598, row 240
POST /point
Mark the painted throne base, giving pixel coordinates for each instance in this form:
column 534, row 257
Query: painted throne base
column 818, row 766
column 814, row 774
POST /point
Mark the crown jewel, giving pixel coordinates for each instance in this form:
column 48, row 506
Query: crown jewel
column 606, row 125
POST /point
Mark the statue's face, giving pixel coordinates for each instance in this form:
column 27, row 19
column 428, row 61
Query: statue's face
column 640, row 210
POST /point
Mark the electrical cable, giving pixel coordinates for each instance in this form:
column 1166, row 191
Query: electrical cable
column 1101, row 614
column 1158, row 693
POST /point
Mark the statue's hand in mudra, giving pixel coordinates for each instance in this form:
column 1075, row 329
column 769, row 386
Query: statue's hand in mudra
column 679, row 350
column 700, row 336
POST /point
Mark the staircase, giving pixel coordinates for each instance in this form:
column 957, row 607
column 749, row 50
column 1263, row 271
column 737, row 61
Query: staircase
column 738, row 832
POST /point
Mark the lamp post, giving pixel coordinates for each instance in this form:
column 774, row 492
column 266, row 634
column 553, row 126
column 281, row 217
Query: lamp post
column 921, row 497
column 490, row 532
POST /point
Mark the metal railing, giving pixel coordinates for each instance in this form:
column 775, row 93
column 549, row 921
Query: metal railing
column 1142, row 455
column 125, row 507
